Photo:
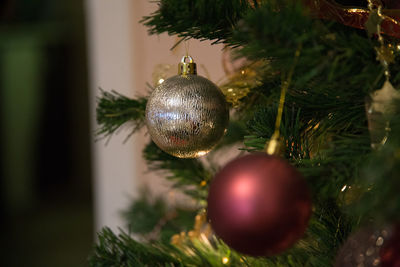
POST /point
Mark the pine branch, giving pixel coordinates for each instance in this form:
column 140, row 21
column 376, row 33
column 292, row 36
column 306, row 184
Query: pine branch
column 201, row 19
column 324, row 126
column 378, row 185
column 326, row 231
column 154, row 221
column 187, row 174
column 115, row 111
column 123, row 251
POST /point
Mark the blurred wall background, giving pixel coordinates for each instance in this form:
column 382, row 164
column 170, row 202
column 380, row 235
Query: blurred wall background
column 45, row 188
column 123, row 57
column 57, row 185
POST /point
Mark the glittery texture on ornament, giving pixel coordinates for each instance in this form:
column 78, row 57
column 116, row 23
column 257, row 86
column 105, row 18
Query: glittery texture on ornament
column 259, row 204
column 187, row 115
column 362, row 249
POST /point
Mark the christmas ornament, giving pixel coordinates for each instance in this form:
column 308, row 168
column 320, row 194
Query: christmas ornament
column 231, row 63
column 201, row 231
column 371, row 247
column 379, row 106
column 241, row 76
column 383, row 99
column 187, row 114
column 162, row 72
column 390, row 252
column 239, row 85
column 259, row 204
column 355, row 17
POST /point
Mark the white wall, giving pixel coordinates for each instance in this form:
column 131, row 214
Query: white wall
column 122, row 57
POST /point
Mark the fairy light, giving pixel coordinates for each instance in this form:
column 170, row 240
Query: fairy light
column 225, row 260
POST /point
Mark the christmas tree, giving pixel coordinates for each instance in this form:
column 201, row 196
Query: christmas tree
column 317, row 87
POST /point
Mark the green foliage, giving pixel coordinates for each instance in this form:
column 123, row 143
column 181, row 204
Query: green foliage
column 185, row 173
column 379, row 200
column 313, row 250
column 153, row 220
column 324, row 127
column 115, row 111
column 235, row 132
column 201, row 19
column 123, row 251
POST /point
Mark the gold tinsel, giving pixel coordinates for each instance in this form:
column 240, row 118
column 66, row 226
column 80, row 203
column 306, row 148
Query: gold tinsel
column 161, row 72
column 239, row 84
column 202, row 231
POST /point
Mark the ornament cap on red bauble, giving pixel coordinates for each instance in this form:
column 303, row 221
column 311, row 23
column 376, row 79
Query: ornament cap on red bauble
column 259, row 204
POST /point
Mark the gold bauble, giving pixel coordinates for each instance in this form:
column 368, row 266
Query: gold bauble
column 187, row 114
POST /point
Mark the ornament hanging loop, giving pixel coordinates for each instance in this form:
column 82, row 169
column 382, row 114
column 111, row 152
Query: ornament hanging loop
column 185, row 67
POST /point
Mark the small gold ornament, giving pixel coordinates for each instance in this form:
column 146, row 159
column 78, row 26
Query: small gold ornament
column 241, row 76
column 239, row 85
column 201, row 231
column 385, row 54
column 161, row 73
column 187, row 114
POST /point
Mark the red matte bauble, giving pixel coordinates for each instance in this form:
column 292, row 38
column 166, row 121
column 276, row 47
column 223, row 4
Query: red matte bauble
column 390, row 252
column 259, row 205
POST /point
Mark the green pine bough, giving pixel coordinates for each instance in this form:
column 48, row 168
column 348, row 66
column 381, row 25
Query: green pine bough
column 324, row 126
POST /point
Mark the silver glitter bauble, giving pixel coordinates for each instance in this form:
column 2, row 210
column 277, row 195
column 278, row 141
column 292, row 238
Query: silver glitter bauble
column 187, row 114
column 362, row 249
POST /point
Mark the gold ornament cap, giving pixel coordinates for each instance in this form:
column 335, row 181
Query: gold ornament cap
column 275, row 146
column 185, row 67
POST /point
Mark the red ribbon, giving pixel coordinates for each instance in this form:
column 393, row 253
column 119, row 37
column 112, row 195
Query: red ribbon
column 354, row 17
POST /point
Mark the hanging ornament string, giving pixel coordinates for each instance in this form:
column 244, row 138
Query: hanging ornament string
column 187, row 47
column 373, row 25
column 274, row 146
